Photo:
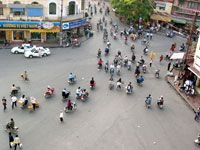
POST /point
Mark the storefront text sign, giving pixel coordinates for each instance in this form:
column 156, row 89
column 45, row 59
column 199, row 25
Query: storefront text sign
column 74, row 24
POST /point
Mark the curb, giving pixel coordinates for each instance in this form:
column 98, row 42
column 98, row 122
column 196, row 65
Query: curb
column 181, row 95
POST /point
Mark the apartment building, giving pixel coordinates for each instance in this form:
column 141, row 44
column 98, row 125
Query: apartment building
column 183, row 11
column 38, row 20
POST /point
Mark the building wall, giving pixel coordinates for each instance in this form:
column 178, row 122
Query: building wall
column 197, row 56
column 168, row 7
column 45, row 4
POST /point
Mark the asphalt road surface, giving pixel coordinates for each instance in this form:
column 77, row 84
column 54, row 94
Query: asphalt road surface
column 110, row 119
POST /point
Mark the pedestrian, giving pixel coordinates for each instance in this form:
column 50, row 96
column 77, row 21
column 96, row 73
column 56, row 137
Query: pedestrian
column 11, row 140
column 33, row 101
column 17, row 141
column 14, row 101
column 169, row 65
column 61, row 116
column 4, row 103
column 161, row 58
column 150, row 62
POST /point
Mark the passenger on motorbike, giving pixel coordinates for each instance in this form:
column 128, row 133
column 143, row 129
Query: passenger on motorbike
column 85, row 93
column 11, row 124
column 140, row 79
column 71, row 77
column 92, row 82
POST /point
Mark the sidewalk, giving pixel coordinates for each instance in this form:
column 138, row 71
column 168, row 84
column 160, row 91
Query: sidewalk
column 193, row 101
column 54, row 44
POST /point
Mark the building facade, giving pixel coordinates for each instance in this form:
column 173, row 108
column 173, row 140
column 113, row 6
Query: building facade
column 183, row 11
column 162, row 11
column 38, row 20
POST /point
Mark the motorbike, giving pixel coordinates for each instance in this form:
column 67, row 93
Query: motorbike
column 115, row 36
column 144, row 68
column 118, row 72
column 74, row 107
column 84, row 97
column 92, row 86
column 146, row 51
column 189, row 90
column 65, row 96
column 13, row 131
column 181, row 48
column 112, row 71
column 160, row 105
column 139, row 81
column 73, row 80
column 111, row 85
column 128, row 90
column 25, row 103
column 106, row 67
column 129, row 67
column 98, row 55
column 157, row 73
column 106, row 51
column 197, row 142
column 25, row 78
column 48, row 93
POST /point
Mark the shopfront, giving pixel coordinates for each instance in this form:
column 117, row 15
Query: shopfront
column 3, row 35
column 74, row 29
column 22, row 31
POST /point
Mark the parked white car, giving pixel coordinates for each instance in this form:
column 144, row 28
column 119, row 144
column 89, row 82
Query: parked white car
column 22, row 48
column 37, row 52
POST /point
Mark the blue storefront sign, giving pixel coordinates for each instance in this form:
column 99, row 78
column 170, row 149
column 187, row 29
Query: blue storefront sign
column 28, row 25
column 74, row 24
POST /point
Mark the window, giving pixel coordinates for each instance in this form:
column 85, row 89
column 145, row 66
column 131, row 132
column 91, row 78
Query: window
column 18, row 35
column 1, row 9
column 82, row 4
column 181, row 3
column 71, row 8
column 199, row 6
column 16, row 2
column 34, row 3
column 52, row 8
column 18, row 12
column 190, row 5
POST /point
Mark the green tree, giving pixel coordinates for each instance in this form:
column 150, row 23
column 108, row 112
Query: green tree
column 133, row 9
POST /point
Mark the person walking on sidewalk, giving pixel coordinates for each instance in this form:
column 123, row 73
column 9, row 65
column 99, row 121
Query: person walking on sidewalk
column 169, row 65
column 150, row 62
column 14, row 101
column 4, row 103
column 11, row 140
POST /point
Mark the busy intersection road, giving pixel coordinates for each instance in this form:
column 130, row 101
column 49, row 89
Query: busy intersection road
column 109, row 119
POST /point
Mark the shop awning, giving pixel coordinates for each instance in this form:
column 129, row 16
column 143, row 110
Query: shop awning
column 17, row 9
column 177, row 20
column 195, row 71
column 42, row 30
column 34, row 12
column 16, row 5
column 161, row 18
column 177, row 56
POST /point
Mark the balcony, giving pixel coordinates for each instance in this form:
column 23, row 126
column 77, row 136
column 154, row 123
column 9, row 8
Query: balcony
column 73, row 17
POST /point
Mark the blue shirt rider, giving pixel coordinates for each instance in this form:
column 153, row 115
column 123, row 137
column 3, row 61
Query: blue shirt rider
column 149, row 99
column 71, row 76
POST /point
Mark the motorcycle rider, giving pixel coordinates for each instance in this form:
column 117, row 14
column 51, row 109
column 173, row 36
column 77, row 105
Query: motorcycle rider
column 14, row 90
column 99, row 53
column 69, row 105
column 144, row 67
column 126, row 39
column 112, row 67
column 71, row 77
column 49, row 90
column 125, row 60
column 140, row 79
column 160, row 101
column 85, row 93
column 11, row 124
column 100, row 63
column 24, row 100
column 148, row 100
column 133, row 57
column 157, row 73
column 129, row 87
column 129, row 64
column 79, row 92
column 92, row 82
column 108, row 44
column 106, row 50
column 182, row 47
column 118, row 68
column 119, row 83
column 106, row 65
column 65, row 93
column 132, row 47
column 145, row 50
column 141, row 60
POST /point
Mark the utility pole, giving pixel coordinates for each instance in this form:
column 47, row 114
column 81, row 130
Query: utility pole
column 190, row 37
column 61, row 22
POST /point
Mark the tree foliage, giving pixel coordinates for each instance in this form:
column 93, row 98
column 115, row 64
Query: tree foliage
column 133, row 9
